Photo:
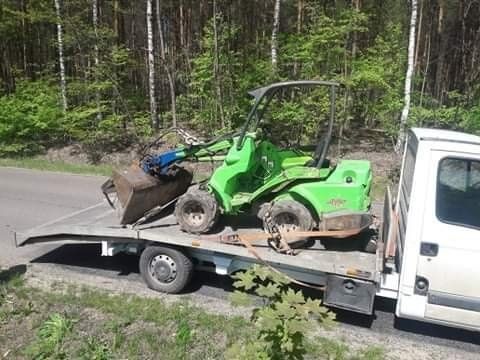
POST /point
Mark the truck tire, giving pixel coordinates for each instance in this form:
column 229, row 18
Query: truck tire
column 165, row 269
column 291, row 215
column 196, row 211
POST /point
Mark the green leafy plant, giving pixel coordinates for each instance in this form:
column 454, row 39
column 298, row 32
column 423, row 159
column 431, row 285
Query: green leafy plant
column 284, row 320
column 50, row 337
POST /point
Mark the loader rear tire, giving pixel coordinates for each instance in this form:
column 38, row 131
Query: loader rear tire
column 196, row 211
column 291, row 215
column 165, row 269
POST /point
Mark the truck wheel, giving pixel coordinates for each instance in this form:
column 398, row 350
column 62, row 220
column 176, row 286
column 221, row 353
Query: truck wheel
column 196, row 211
column 290, row 215
column 165, row 269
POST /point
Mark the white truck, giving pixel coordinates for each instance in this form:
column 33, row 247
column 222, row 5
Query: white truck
column 427, row 255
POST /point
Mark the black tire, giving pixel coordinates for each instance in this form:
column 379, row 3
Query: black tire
column 165, row 269
column 196, row 211
column 290, row 215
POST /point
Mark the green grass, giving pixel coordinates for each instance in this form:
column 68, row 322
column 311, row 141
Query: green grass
column 59, row 166
column 83, row 323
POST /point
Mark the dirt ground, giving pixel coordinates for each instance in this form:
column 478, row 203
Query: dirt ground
column 385, row 163
column 52, row 279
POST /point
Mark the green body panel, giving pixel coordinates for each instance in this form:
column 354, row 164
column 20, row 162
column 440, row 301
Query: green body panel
column 228, row 179
column 259, row 171
column 346, row 188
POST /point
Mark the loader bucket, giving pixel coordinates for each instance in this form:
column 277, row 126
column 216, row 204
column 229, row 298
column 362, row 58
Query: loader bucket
column 139, row 192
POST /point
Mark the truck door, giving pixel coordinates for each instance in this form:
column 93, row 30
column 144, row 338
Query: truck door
column 448, row 268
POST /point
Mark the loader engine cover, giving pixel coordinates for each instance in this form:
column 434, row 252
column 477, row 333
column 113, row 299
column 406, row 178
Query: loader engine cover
column 139, row 192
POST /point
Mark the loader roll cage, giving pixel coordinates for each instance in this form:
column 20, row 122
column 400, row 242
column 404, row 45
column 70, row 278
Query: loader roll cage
column 268, row 92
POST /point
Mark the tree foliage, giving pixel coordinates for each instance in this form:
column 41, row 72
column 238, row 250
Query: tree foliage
column 31, row 118
column 361, row 44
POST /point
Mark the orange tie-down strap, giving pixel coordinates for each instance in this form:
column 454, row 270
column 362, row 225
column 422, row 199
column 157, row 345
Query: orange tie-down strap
column 289, row 236
column 245, row 238
column 252, row 251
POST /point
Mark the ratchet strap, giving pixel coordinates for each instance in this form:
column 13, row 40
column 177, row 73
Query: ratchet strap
column 293, row 235
column 245, row 240
column 252, row 251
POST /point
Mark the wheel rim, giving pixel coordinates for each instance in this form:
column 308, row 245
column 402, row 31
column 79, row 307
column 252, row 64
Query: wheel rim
column 287, row 222
column 163, row 269
column 194, row 213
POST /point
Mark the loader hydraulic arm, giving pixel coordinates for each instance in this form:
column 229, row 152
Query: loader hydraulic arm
column 160, row 163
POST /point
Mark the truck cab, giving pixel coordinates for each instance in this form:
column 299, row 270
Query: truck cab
column 432, row 249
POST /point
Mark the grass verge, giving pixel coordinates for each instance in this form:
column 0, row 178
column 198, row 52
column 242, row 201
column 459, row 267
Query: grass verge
column 83, row 323
column 59, row 166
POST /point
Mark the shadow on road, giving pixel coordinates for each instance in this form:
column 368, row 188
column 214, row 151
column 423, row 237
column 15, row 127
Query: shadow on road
column 8, row 274
column 86, row 258
column 437, row 331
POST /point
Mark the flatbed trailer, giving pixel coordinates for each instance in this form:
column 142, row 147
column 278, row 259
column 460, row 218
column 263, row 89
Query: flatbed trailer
column 314, row 265
column 426, row 255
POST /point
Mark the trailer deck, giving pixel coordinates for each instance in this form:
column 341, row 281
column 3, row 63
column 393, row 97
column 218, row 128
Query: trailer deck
column 99, row 224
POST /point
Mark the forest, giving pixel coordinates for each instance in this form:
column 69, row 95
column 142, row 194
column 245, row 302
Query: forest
column 110, row 73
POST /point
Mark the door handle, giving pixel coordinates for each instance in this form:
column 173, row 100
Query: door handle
column 428, row 249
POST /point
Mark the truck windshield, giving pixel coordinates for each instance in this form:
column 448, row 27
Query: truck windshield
column 458, row 192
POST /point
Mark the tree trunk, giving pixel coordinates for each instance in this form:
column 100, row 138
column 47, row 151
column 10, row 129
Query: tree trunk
column 151, row 67
column 276, row 26
column 299, row 31
column 182, row 25
column 442, row 49
column 61, row 60
column 185, row 35
column 95, row 54
column 425, row 73
column 115, row 20
column 419, row 37
column 24, row 38
column 6, row 70
column 216, row 72
column 356, row 8
column 408, row 77
column 168, row 70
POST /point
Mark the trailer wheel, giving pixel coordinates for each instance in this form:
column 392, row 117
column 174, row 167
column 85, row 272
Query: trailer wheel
column 196, row 211
column 165, row 269
column 290, row 215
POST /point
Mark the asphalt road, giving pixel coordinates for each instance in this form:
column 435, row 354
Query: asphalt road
column 29, row 198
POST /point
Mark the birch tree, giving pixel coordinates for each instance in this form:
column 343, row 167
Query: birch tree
column 167, row 67
column 408, row 77
column 276, row 26
column 61, row 60
column 95, row 52
column 151, row 67
column 216, row 70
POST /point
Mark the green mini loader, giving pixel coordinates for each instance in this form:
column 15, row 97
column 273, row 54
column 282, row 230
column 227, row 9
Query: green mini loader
column 299, row 190
column 296, row 189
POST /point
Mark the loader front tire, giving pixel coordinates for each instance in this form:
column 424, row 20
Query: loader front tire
column 196, row 211
column 165, row 269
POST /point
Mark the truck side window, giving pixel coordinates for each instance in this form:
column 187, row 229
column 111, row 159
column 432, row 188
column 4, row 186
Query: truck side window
column 458, row 192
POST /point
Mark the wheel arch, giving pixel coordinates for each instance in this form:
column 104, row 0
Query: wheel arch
column 293, row 195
